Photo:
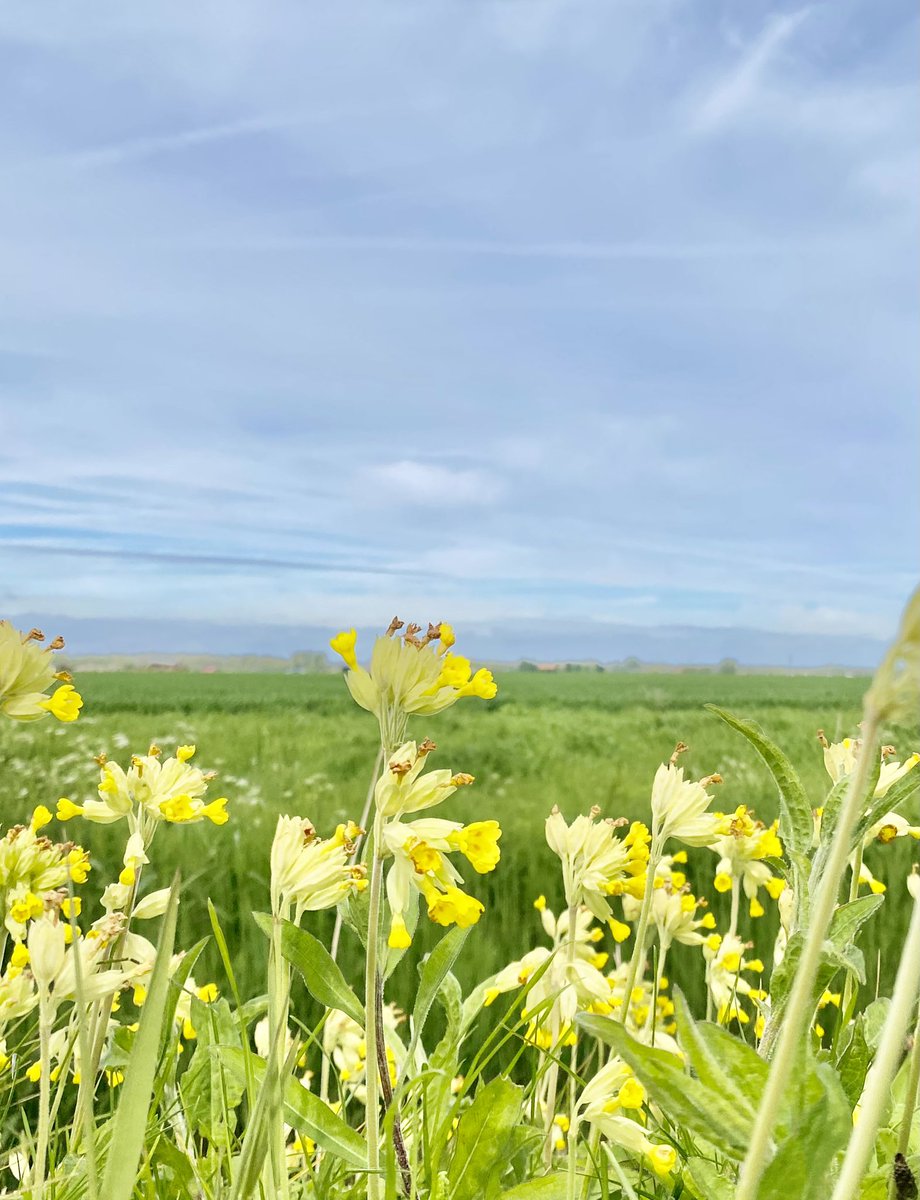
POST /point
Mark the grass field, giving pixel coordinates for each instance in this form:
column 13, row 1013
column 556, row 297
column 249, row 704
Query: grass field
column 298, row 744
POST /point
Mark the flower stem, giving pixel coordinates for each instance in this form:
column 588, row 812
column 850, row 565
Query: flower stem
column 910, row 1099
column 877, row 1091
column 736, row 899
column 800, row 1004
column 45, row 1021
column 571, row 1166
column 278, row 991
column 372, row 1105
column 638, row 954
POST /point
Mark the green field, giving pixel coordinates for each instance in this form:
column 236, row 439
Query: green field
column 298, row 744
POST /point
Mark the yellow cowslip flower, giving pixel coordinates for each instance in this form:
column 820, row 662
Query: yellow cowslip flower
column 26, row 673
column 743, row 846
column 724, row 963
column 403, row 788
column 680, row 808
column 410, row 674
column 420, row 852
column 840, row 762
column 150, row 791
column 596, row 863
column 308, row 872
column 674, row 914
column 344, row 1042
column 31, row 867
column 53, row 963
column 601, row 1104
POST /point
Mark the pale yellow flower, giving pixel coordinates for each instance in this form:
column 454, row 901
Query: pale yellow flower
column 26, row 673
column 680, row 808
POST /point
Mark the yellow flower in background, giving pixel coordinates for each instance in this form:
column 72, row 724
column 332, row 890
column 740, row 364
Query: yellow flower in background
column 741, row 850
column 31, row 867
column 410, row 674
column 603, row 1103
column 150, row 791
column 840, row 762
column 26, row 673
column 596, row 863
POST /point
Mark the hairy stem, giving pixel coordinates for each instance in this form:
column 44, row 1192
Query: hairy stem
column 372, row 1105
column 45, row 1021
column 798, row 1011
column 572, row 1163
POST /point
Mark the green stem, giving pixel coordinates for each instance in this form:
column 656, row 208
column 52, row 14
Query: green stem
column 800, row 1004
column 372, row 1105
column 45, row 1022
column 848, row 985
column 278, row 992
column 910, row 1099
column 638, row 954
column 877, row 1091
column 571, row 1166
column 736, row 899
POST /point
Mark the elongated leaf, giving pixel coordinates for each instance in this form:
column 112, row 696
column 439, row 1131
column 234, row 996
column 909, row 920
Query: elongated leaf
column 686, row 1100
column 849, row 918
column 306, row 1112
column 433, row 971
column 319, row 970
column 481, row 1139
column 800, row 1166
column 135, row 1094
column 796, row 822
column 714, row 1058
column 548, row 1187
column 854, row 1062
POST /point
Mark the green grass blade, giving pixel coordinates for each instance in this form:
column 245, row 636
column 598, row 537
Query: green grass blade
column 134, row 1100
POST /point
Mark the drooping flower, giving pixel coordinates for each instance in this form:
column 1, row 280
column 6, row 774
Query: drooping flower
column 596, row 863
column 309, row 872
column 680, row 808
column 742, row 850
column 345, row 1043
column 31, row 867
column 725, row 961
column 403, row 788
column 54, row 964
column 26, row 673
column 674, row 914
column 840, row 763
column 605, row 1102
column 410, row 674
column 420, row 850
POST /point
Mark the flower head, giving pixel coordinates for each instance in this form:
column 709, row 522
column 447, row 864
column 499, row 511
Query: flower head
column 606, row 1103
column 404, row 788
column 32, row 867
column 309, row 872
column 742, row 850
column 26, row 673
column 410, row 674
column 596, row 862
column 680, row 808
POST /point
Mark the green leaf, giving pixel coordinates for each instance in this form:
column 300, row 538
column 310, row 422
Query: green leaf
column 319, row 970
column 481, row 1139
column 433, row 971
column 705, row 1111
column 800, row 1165
column 136, row 1092
column 854, row 1062
column 875, row 1016
column 796, row 822
column 306, row 1112
column 209, row 1096
column 705, row 1181
column 720, row 1061
column 548, row 1187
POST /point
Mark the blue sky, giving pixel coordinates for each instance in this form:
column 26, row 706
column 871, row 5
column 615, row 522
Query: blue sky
column 572, row 310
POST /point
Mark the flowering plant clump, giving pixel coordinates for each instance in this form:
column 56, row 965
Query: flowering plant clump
column 578, row 1071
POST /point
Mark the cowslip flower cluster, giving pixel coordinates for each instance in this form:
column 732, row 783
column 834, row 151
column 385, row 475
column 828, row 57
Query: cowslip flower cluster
column 597, row 864
column 32, row 867
column 725, row 961
column 26, row 673
column 680, row 807
column 742, row 850
column 309, row 872
column 148, row 792
column 420, row 848
column 345, row 1043
column 410, row 674
column 612, row 1103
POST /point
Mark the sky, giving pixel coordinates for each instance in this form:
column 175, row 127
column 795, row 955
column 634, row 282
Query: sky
column 561, row 312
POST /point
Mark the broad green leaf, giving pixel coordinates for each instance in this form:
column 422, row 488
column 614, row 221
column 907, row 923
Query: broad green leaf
column 706, row 1112
column 705, row 1181
column 800, row 1166
column 875, row 1016
column 433, row 972
column 796, row 822
column 136, row 1092
column 713, row 1056
column 854, row 1062
column 209, row 1095
column 481, row 1139
column 849, row 918
column 319, row 970
column 548, row 1187
column 306, row 1113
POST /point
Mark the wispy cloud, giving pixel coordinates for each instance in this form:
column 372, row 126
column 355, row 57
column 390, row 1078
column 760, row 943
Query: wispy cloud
column 734, row 91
